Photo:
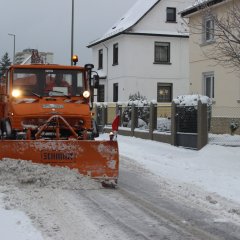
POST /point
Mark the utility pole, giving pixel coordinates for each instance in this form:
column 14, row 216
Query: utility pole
column 72, row 32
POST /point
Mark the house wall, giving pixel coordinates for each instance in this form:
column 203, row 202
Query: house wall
column 142, row 75
column 136, row 71
column 156, row 19
column 226, row 82
column 226, row 101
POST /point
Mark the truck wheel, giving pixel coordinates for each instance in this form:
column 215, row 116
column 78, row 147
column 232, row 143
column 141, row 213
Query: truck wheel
column 6, row 128
column 95, row 128
column 1, row 130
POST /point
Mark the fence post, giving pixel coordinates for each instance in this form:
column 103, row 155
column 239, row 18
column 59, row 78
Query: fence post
column 134, row 118
column 152, row 119
column 96, row 114
column 202, row 125
column 98, row 117
column 104, row 114
column 174, row 124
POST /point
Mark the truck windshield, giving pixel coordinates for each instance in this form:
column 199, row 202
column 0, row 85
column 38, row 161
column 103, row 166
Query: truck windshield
column 48, row 82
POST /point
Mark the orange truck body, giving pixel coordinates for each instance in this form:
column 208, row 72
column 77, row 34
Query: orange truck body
column 54, row 126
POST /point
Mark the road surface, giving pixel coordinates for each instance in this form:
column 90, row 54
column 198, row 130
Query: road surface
column 142, row 207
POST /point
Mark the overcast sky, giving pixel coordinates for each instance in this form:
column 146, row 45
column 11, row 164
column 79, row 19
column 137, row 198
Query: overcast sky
column 46, row 25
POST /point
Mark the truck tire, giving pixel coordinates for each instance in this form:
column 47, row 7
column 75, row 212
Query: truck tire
column 95, row 128
column 1, row 129
column 7, row 129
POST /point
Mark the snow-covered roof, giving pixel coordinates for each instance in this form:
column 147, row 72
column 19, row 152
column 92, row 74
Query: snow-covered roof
column 197, row 5
column 135, row 13
column 166, row 33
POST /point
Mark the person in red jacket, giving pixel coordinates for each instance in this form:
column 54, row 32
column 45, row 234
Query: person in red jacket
column 115, row 125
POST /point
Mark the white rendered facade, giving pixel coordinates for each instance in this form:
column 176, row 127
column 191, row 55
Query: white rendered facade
column 137, row 70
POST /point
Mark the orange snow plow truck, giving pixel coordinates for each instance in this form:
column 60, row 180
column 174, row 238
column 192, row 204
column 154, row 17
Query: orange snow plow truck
column 45, row 116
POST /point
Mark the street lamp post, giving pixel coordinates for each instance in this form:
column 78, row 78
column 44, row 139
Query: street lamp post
column 14, row 45
column 72, row 32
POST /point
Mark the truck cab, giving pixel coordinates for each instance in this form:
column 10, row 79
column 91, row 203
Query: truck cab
column 36, row 92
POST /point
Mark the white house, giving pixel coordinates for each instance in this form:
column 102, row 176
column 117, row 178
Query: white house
column 146, row 51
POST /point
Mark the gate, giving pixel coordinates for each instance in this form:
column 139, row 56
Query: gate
column 186, row 121
column 190, row 125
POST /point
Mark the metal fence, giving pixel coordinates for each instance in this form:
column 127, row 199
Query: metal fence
column 142, row 113
column 223, row 122
column 139, row 121
column 125, row 115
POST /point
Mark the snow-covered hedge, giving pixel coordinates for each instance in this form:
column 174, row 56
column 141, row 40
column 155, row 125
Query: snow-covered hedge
column 192, row 100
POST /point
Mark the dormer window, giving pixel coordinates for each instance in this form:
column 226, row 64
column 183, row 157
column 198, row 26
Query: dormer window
column 171, row 14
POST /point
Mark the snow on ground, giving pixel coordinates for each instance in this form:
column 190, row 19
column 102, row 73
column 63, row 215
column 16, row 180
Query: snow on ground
column 14, row 174
column 214, row 169
column 20, row 172
column 16, row 225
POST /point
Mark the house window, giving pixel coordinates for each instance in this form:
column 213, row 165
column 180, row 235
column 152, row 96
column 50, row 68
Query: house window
column 115, row 54
column 100, row 59
column 171, row 14
column 115, row 92
column 208, row 30
column 100, row 96
column 208, row 82
column 162, row 52
column 164, row 92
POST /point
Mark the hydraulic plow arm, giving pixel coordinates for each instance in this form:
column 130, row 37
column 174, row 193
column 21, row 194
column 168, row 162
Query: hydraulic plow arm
column 56, row 119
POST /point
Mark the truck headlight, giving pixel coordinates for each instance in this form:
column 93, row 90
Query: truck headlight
column 16, row 93
column 86, row 94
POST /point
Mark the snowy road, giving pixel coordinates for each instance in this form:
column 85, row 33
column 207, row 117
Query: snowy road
column 144, row 206
column 181, row 211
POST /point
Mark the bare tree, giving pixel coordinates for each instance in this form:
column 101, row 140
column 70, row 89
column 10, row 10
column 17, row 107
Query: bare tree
column 225, row 32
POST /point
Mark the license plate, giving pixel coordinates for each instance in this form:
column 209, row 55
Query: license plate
column 52, row 106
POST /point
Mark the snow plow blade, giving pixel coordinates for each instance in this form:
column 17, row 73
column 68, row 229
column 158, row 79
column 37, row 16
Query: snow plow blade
column 96, row 159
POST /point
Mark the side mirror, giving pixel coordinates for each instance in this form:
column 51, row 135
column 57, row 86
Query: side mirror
column 96, row 81
column 89, row 66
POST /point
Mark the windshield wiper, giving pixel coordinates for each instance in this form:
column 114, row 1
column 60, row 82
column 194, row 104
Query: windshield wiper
column 37, row 95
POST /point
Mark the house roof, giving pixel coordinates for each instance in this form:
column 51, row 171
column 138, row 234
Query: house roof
column 133, row 16
column 198, row 5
